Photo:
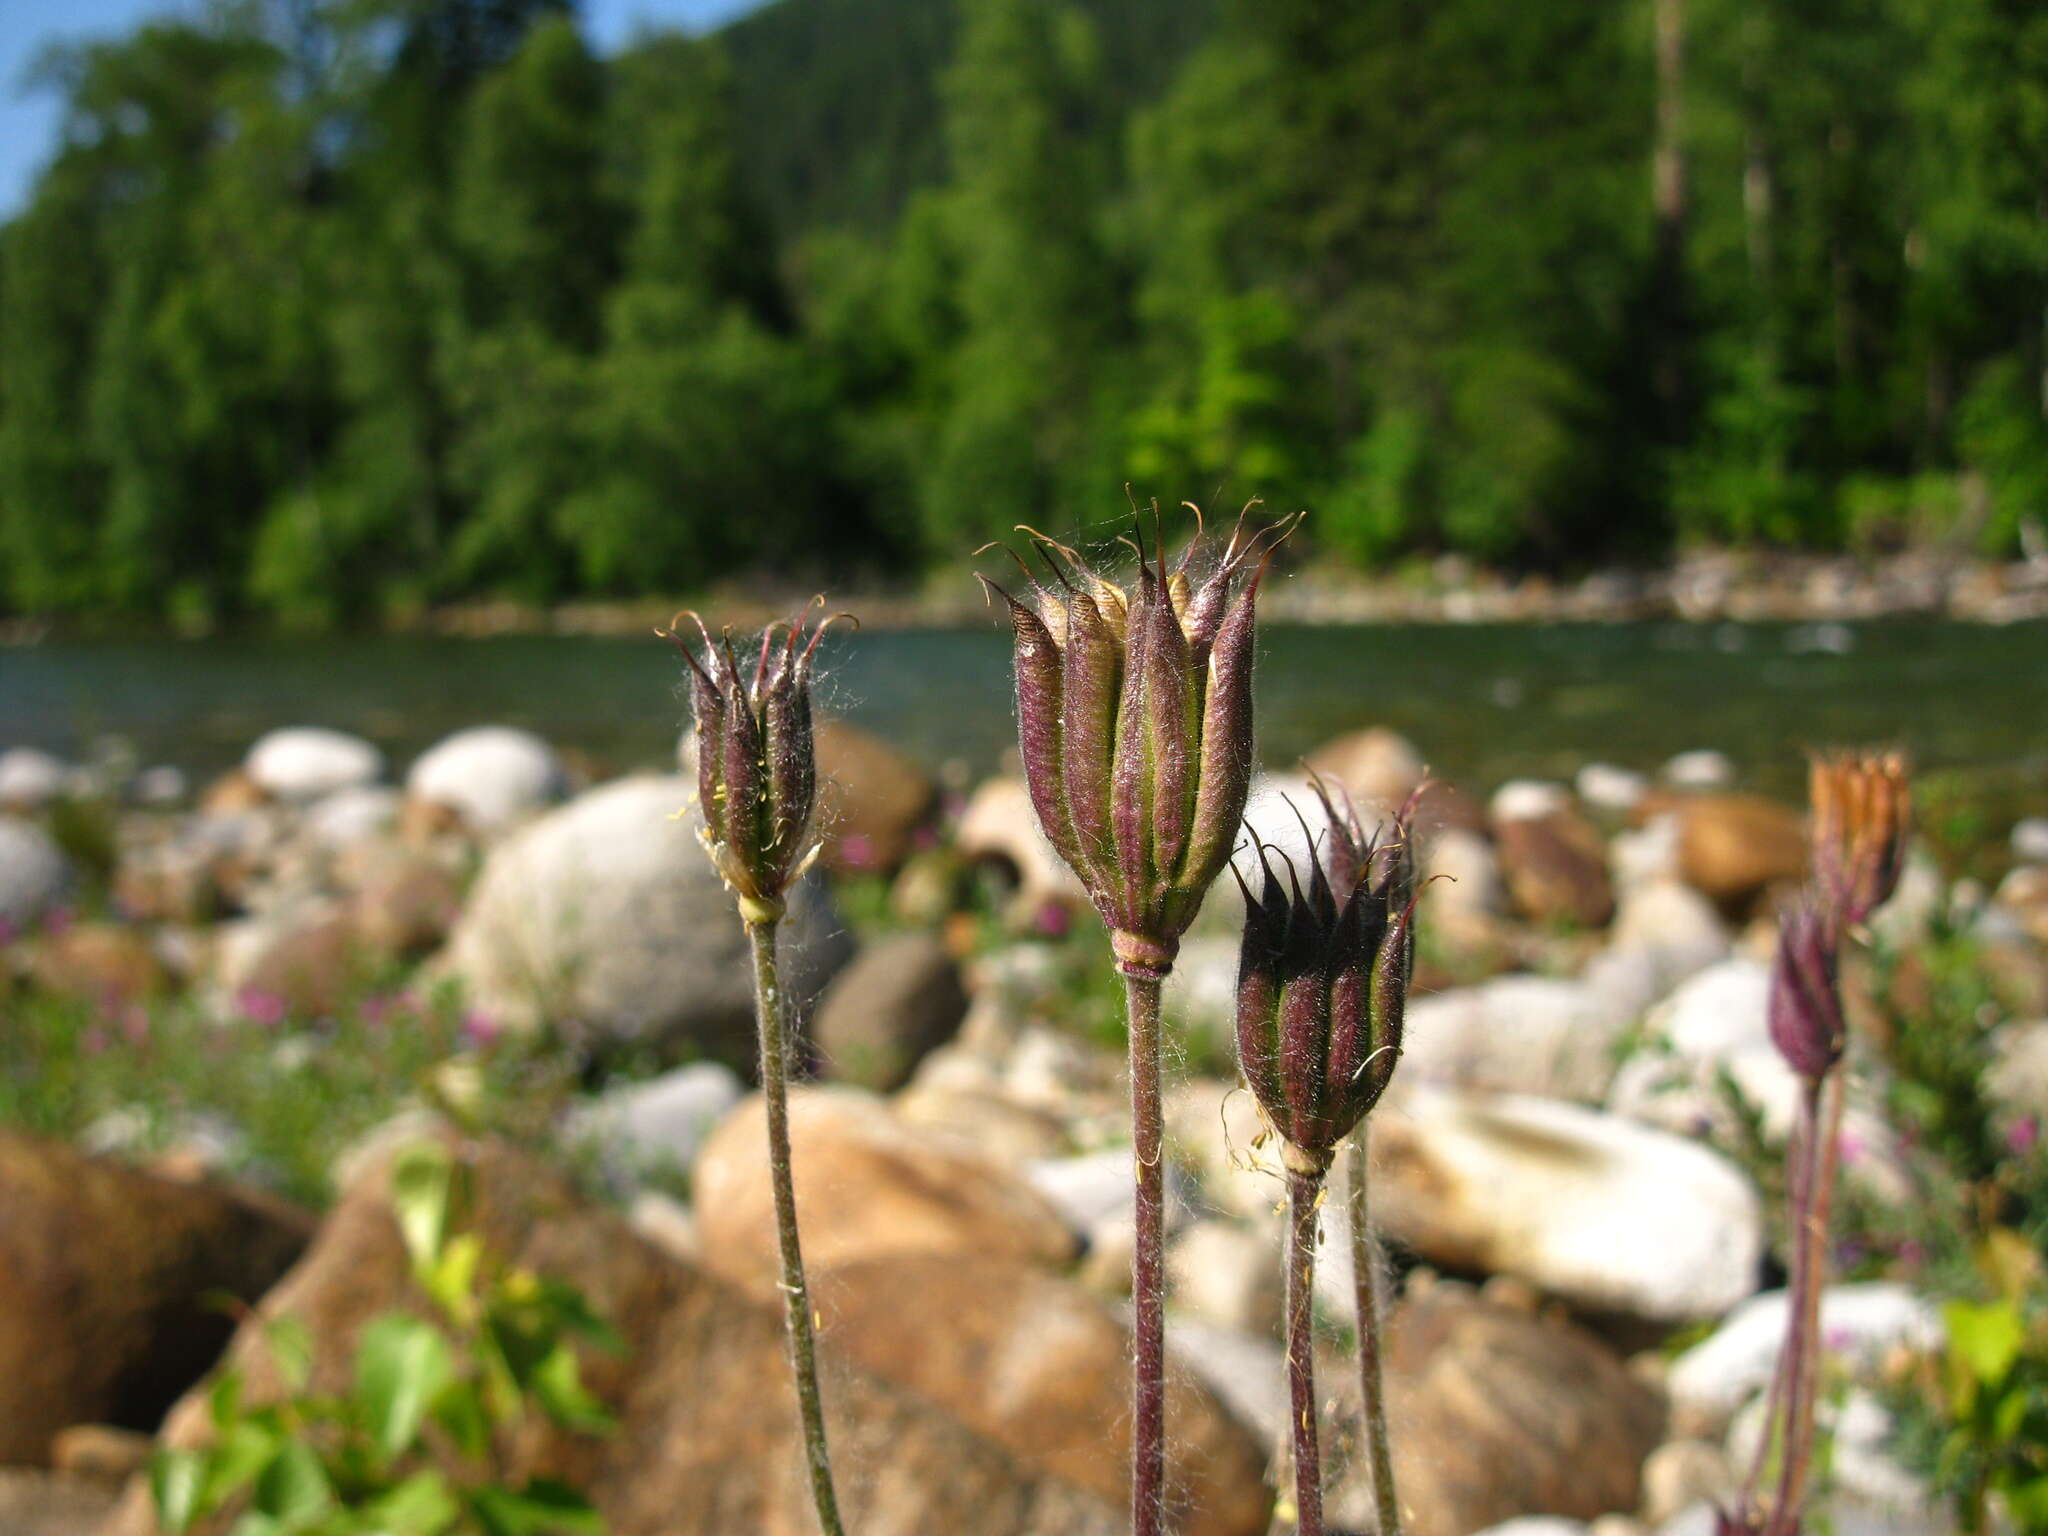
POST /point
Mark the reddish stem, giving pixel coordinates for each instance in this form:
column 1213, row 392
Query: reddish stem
column 1304, row 1190
column 1148, row 1274
column 1804, row 1380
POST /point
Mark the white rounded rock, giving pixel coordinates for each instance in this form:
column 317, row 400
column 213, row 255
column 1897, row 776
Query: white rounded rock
column 33, row 872
column 161, row 785
column 1672, row 923
column 1703, row 768
column 493, row 775
column 1859, row 1324
column 1718, row 1012
column 30, row 778
column 1609, row 1215
column 1610, row 788
column 1549, row 1035
column 1645, row 854
column 1527, row 800
column 2030, row 840
column 660, row 1123
column 306, row 762
column 353, row 815
column 1461, row 874
column 604, row 918
column 2017, row 1080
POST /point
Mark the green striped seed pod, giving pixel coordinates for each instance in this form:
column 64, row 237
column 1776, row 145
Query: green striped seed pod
column 1134, row 716
column 757, row 772
column 1322, row 983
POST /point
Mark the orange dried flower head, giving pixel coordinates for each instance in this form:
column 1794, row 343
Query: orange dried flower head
column 1862, row 815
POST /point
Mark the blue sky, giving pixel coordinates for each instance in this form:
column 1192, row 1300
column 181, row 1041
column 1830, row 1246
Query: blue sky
column 28, row 120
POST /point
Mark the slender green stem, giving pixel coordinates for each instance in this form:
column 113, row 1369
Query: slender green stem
column 1304, row 1192
column 796, row 1294
column 1365, row 1268
column 1148, row 1275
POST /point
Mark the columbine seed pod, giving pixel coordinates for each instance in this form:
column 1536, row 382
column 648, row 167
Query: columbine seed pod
column 1805, row 1015
column 1134, row 716
column 1322, row 985
column 1862, row 814
column 757, row 771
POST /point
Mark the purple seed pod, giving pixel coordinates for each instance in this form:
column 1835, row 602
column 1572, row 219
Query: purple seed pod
column 1134, row 717
column 1806, row 1005
column 757, row 770
column 1862, row 816
column 1322, row 985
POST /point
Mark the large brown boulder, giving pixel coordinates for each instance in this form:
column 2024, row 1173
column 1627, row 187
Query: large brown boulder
column 706, row 1442
column 38, row 1503
column 110, row 1287
column 872, row 800
column 104, row 964
column 867, row 1185
column 898, row 1001
column 1556, row 869
column 307, row 970
column 1039, row 1366
column 1498, row 1414
column 1377, row 767
column 1732, row 848
column 405, row 905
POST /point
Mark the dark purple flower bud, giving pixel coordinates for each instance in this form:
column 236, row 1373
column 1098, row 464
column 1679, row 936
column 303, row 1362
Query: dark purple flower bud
column 1806, row 1005
column 757, row 770
column 1862, row 816
column 1322, row 985
column 1134, row 719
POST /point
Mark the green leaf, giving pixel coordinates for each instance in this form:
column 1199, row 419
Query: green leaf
column 558, row 1383
column 241, row 1452
column 2009, row 1415
column 451, row 1278
column 1986, row 1338
column 460, row 1412
column 224, row 1401
column 568, row 1308
column 422, row 1191
column 176, row 1480
column 422, row 1505
column 2027, row 1503
column 255, row 1523
column 291, row 1348
column 294, row 1485
column 541, row 1508
column 402, row 1365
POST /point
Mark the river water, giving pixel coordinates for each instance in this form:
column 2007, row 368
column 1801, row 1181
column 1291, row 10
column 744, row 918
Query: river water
column 1484, row 702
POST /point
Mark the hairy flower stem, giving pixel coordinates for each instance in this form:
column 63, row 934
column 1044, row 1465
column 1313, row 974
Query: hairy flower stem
column 1304, row 1195
column 1823, row 1116
column 1776, row 1420
column 1148, row 1274
column 796, row 1295
column 1365, row 1268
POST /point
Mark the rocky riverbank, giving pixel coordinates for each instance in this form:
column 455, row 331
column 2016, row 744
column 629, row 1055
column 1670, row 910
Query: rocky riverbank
column 1704, row 586
column 235, row 1002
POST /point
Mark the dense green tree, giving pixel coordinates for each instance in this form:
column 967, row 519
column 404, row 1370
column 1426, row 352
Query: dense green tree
column 327, row 309
column 1015, row 378
column 708, row 433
